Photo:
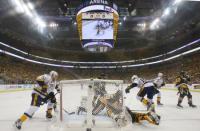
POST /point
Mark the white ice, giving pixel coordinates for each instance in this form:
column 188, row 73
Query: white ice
column 13, row 104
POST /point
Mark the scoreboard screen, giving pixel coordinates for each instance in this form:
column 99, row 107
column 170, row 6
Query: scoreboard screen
column 97, row 29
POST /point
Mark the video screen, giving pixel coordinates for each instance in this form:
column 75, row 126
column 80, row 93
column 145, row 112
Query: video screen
column 97, row 29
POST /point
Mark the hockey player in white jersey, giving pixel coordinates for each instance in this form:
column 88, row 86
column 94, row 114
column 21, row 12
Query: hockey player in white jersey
column 42, row 93
column 159, row 82
column 136, row 82
column 149, row 89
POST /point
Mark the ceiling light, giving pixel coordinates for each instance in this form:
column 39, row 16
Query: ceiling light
column 124, row 18
column 27, row 11
column 166, row 12
column 18, row 6
column 177, row 2
column 40, row 22
column 155, row 24
column 30, row 6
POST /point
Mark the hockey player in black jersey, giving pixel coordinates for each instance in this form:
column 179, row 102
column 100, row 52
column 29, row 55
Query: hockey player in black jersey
column 183, row 89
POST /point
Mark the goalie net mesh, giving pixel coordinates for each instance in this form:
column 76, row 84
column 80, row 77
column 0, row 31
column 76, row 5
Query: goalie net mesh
column 91, row 102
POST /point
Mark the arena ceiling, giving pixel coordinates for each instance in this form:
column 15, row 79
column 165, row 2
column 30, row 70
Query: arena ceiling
column 133, row 14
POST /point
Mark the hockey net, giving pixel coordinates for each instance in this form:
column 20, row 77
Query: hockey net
column 91, row 102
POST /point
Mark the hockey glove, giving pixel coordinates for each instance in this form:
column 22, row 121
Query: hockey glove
column 57, row 88
column 127, row 90
column 50, row 96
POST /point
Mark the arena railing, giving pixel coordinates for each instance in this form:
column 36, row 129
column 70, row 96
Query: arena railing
column 149, row 59
column 100, row 66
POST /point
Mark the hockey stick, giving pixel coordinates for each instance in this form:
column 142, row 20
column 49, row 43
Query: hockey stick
column 69, row 113
column 47, row 100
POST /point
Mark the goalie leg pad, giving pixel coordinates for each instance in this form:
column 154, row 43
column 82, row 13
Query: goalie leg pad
column 98, row 108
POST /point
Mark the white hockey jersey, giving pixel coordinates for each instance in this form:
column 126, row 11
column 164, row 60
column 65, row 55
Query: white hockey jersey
column 139, row 82
column 159, row 81
column 49, row 83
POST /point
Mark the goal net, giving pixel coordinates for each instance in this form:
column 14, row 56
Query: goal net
column 91, row 103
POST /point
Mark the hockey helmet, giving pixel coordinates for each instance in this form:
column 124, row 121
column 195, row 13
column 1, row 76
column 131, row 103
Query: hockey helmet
column 182, row 73
column 160, row 74
column 54, row 75
column 134, row 77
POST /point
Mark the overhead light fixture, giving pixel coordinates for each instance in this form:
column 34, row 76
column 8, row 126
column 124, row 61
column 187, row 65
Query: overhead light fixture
column 53, row 24
column 27, row 11
column 40, row 22
column 30, row 6
column 177, row 2
column 155, row 24
column 143, row 25
column 124, row 18
column 18, row 6
column 166, row 12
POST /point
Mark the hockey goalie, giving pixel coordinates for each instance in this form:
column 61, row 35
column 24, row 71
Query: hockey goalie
column 113, row 104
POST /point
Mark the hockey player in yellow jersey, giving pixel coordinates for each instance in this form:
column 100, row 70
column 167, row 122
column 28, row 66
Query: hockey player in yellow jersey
column 42, row 93
column 183, row 89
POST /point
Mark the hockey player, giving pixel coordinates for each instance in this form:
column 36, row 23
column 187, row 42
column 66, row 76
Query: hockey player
column 99, row 89
column 43, row 93
column 136, row 82
column 150, row 89
column 183, row 89
column 159, row 82
column 137, row 117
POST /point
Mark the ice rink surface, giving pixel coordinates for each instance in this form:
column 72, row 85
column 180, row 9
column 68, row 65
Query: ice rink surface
column 13, row 104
